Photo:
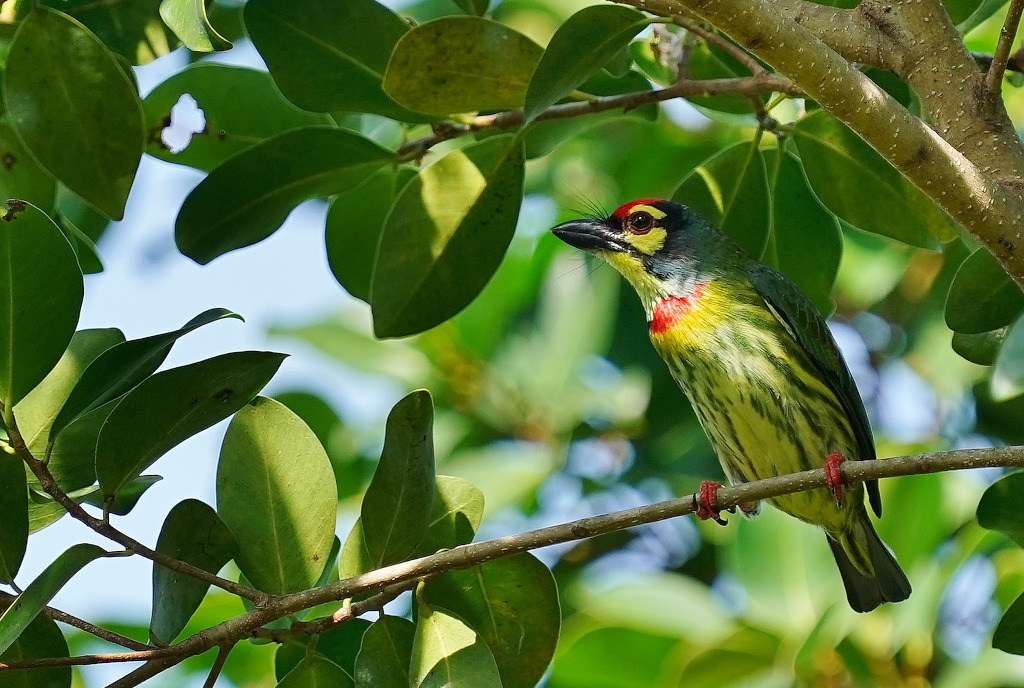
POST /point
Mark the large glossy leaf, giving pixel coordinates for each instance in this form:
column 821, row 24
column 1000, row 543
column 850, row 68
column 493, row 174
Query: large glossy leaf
column 461, row 64
column 1008, row 373
column 384, row 656
column 319, row 54
column 40, row 591
column 613, row 655
column 42, row 639
column 340, row 645
column 122, row 366
column 731, row 190
column 173, row 405
column 240, row 107
column 276, row 493
column 981, row 348
column 37, row 411
column 858, row 185
column 982, row 296
column 1000, row 507
column 89, row 132
column 512, row 603
column 133, row 30
column 448, row 652
column 42, row 288
column 316, row 672
column 581, row 46
column 188, row 20
column 193, row 533
column 20, row 175
column 446, row 236
column 246, row 199
column 399, row 500
column 13, row 515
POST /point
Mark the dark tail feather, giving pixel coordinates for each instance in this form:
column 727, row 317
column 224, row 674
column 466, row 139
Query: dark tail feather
column 889, row 584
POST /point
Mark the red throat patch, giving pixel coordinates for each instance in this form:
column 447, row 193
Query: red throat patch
column 669, row 310
column 623, row 210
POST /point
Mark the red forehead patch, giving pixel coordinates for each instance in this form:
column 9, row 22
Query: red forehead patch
column 623, row 210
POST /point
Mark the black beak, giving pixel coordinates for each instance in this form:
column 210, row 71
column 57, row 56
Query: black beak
column 590, row 235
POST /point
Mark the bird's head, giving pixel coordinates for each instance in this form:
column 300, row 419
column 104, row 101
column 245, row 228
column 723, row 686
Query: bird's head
column 663, row 248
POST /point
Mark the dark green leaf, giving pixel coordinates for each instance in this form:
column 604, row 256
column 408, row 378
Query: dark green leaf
column 806, row 243
column 477, row 7
column 13, row 515
column 39, row 592
column 276, row 493
column 613, row 656
column 247, row 198
column 980, row 348
column 316, row 672
column 85, row 248
column 340, row 645
column 385, row 654
column 318, row 52
column 446, row 235
column 446, row 652
column 461, row 64
column 133, row 30
column 42, row 639
column 396, row 508
column 42, row 288
column 1009, row 634
column 969, row 14
column 982, row 296
column 1008, row 371
column 710, row 62
column 512, row 603
column 188, row 20
column 173, row 405
column 581, row 46
column 730, row 189
column 193, row 533
column 88, row 133
column 457, row 512
column 123, row 366
column 126, row 499
column 20, row 175
column 240, row 106
column 858, row 185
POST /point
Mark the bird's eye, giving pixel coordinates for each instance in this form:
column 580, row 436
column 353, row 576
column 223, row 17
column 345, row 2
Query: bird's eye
column 640, row 222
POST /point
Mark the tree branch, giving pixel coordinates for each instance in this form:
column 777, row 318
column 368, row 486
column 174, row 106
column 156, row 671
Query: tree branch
column 102, row 633
column 994, row 78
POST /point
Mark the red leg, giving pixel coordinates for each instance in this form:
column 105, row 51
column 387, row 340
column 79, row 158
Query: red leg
column 833, row 474
column 705, row 499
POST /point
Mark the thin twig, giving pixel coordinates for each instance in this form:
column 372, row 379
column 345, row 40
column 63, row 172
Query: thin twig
column 83, row 625
column 218, row 665
column 994, row 78
column 721, row 42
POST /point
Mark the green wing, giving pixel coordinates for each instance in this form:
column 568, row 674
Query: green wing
column 798, row 313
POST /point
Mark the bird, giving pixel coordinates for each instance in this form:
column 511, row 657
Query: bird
column 762, row 371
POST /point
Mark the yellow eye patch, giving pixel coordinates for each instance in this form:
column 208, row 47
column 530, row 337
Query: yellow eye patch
column 649, row 242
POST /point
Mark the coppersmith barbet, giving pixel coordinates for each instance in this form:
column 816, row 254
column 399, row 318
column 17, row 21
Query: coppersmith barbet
column 761, row 369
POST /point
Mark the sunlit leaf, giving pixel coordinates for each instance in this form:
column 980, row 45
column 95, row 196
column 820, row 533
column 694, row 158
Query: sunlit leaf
column 188, row 20
column 132, row 30
column 447, row 652
column 316, row 672
column 1008, row 371
column 41, row 639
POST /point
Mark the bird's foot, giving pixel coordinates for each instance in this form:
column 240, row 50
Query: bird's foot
column 834, row 475
column 706, row 502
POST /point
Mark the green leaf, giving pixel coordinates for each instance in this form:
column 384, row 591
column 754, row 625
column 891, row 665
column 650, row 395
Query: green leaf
column 858, row 185
column 39, row 592
column 132, row 30
column 512, row 602
column 42, row 287
column 319, row 56
column 399, row 500
column 125, row 500
column 1008, row 371
column 456, row 514
column 173, row 405
column 247, row 198
column 710, row 62
column 340, row 645
column 241, row 107
column 461, row 64
column 477, row 7
column 385, row 654
column 806, row 243
column 85, row 248
column 276, row 493
column 20, row 175
column 193, row 533
column 354, row 559
column 89, row 132
column 123, row 366
column 41, row 639
column 37, row 411
column 446, row 235
column 614, row 656
column 316, row 672
column 446, row 652
column 730, row 189
column 981, row 348
column 1009, row 634
column 355, row 222
column 580, row 47
column 982, row 296
column 13, row 515
column 188, row 20
column 969, row 14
